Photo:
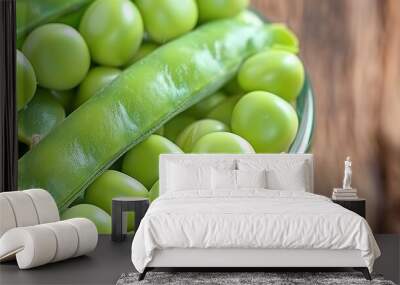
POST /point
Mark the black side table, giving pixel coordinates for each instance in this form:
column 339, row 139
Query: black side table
column 120, row 207
column 357, row 205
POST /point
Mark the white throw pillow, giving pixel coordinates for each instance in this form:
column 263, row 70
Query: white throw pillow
column 223, row 179
column 183, row 178
column 291, row 179
column 282, row 173
column 251, row 178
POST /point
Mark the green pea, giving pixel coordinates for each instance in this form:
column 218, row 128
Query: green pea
column 223, row 112
column 268, row 122
column 276, row 71
column 96, row 79
column 100, row 218
column 167, row 19
column 39, row 118
column 26, row 80
column 192, row 133
column 143, row 51
column 222, row 142
column 141, row 162
column 113, row 30
column 283, row 39
column 176, row 125
column 113, row 184
column 154, row 191
column 218, row 9
column 59, row 56
column 201, row 109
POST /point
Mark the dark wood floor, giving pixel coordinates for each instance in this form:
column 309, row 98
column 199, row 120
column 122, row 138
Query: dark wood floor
column 110, row 260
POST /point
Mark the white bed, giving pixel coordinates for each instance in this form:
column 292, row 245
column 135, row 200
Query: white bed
column 248, row 227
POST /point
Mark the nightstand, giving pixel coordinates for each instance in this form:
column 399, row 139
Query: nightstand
column 357, row 205
column 120, row 207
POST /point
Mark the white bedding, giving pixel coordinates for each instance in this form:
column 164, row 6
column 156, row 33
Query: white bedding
column 252, row 218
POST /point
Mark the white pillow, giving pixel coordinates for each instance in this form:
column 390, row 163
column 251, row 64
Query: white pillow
column 251, row 178
column 282, row 173
column 183, row 178
column 291, row 179
column 223, row 179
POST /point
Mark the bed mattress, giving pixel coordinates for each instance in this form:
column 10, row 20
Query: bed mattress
column 250, row 219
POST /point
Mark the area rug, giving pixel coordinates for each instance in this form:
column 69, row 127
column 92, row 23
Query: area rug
column 243, row 278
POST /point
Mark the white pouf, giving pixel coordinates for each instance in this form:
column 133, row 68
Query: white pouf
column 31, row 233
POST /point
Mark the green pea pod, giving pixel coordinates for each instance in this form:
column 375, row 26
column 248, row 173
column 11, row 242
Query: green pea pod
column 32, row 13
column 139, row 101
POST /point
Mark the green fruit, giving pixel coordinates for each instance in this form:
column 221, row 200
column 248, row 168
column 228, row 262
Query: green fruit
column 201, row 109
column 223, row 112
column 154, row 191
column 218, row 9
column 276, row 71
column 283, row 39
column 113, row 30
column 96, row 79
column 268, row 122
column 143, row 51
column 39, row 118
column 167, row 19
column 26, row 80
column 65, row 98
column 113, row 184
column 222, row 142
column 101, row 219
column 192, row 133
column 176, row 125
column 59, row 56
column 141, row 162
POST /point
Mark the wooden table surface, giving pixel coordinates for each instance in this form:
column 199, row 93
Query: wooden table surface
column 351, row 50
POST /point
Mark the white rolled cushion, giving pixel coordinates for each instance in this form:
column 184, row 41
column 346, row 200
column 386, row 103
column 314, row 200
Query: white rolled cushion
column 251, row 178
column 7, row 218
column 33, row 246
column 40, row 244
column 67, row 240
column 45, row 205
column 87, row 235
column 183, row 178
column 23, row 208
column 223, row 179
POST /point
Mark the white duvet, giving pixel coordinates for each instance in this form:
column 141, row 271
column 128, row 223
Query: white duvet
column 250, row 219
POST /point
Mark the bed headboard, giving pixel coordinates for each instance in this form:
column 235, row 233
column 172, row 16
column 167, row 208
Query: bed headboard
column 212, row 159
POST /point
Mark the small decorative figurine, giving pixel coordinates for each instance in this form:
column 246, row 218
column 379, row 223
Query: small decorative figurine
column 347, row 174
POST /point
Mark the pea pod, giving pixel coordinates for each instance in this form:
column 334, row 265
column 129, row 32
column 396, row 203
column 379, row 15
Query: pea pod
column 145, row 96
column 31, row 14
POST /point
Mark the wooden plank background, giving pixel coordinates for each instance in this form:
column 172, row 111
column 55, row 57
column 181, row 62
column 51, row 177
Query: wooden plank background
column 351, row 49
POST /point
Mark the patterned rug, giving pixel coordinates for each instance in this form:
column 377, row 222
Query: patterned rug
column 243, row 278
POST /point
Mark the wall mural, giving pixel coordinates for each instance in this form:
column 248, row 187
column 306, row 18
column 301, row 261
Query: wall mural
column 105, row 86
